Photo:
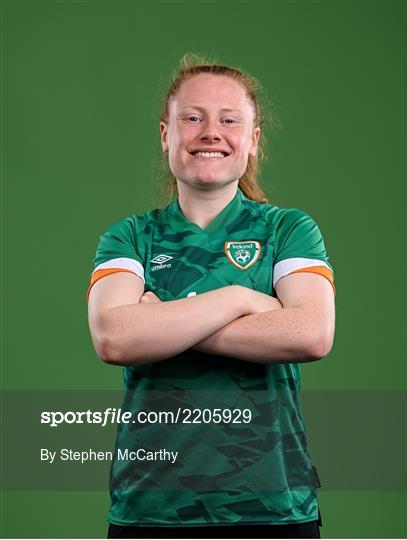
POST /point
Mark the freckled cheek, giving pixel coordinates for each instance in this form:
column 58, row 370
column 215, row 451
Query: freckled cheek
column 239, row 150
column 178, row 154
column 239, row 144
column 182, row 142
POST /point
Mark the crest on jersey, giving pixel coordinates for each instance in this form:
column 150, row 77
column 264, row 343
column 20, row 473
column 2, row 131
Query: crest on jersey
column 243, row 254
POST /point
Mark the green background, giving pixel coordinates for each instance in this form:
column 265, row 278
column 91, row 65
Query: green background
column 81, row 83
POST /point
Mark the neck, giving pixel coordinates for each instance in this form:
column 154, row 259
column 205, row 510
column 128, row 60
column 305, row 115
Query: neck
column 201, row 206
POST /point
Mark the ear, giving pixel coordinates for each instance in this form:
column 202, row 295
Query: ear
column 164, row 136
column 255, row 141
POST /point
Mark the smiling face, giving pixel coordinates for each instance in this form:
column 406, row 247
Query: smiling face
column 210, row 131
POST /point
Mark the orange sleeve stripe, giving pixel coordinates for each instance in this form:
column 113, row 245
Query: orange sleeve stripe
column 321, row 270
column 102, row 273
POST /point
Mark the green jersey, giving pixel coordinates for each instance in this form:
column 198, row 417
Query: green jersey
column 225, row 441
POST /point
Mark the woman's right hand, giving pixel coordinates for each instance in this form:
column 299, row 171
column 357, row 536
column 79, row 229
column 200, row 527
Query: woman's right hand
column 258, row 302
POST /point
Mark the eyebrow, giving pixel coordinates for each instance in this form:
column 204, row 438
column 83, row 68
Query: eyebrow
column 203, row 109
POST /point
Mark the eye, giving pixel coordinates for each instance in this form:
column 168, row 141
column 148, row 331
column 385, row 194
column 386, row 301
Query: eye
column 193, row 118
column 229, row 121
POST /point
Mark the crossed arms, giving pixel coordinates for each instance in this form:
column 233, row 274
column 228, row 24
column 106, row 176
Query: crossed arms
column 130, row 327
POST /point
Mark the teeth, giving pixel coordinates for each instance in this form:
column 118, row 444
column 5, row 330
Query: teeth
column 210, row 154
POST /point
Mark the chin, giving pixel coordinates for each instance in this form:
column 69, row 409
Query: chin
column 207, row 178
column 206, row 182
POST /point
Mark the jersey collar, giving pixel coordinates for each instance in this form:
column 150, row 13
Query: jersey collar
column 176, row 218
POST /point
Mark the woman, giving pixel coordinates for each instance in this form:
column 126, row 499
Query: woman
column 211, row 304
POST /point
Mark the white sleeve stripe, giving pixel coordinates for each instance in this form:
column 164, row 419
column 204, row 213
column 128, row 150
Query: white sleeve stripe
column 283, row 268
column 123, row 263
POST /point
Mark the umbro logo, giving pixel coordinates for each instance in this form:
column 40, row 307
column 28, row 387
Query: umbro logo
column 160, row 261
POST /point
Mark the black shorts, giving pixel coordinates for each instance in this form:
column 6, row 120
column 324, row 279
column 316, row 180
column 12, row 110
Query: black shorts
column 298, row 530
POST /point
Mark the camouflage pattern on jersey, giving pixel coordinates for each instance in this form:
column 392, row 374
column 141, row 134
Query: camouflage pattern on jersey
column 226, row 472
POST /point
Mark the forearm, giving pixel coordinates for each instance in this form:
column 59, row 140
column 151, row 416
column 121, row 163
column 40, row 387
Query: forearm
column 283, row 335
column 140, row 333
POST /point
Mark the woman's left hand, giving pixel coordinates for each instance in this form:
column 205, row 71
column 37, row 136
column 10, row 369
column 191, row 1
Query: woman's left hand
column 149, row 298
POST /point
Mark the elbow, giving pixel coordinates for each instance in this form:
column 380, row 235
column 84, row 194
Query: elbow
column 108, row 350
column 112, row 352
column 105, row 341
column 106, row 345
column 320, row 346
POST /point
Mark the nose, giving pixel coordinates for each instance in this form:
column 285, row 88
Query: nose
column 210, row 133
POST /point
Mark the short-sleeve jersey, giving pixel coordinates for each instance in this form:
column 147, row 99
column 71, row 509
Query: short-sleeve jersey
column 235, row 427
